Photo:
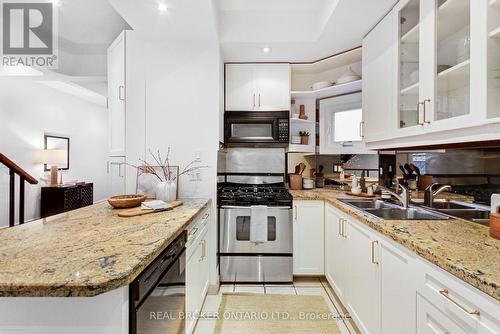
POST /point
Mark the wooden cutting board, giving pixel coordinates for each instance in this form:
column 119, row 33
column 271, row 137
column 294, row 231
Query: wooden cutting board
column 134, row 212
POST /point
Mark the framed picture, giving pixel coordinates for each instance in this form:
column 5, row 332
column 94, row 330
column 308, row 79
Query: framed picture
column 147, row 181
column 60, row 143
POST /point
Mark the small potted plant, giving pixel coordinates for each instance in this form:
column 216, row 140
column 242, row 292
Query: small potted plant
column 304, row 137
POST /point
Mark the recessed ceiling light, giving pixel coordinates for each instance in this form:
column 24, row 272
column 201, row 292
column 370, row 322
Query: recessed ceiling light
column 162, row 7
column 266, row 49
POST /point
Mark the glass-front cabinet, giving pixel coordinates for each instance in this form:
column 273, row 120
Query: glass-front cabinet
column 434, row 64
column 493, row 63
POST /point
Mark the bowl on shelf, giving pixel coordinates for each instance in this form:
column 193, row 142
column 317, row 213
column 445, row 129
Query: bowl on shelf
column 126, row 201
column 321, row 84
column 348, row 76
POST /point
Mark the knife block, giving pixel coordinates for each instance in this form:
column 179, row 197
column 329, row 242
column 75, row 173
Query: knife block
column 495, row 225
column 295, row 182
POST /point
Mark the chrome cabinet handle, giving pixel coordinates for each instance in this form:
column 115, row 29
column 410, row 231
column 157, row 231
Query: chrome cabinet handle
column 193, row 231
column 446, row 294
column 373, row 251
column 120, row 170
column 342, row 223
column 361, row 124
column 295, row 207
column 107, row 167
column 340, row 227
column 259, row 99
column 121, row 92
column 254, row 100
column 203, row 250
column 418, row 113
column 425, row 110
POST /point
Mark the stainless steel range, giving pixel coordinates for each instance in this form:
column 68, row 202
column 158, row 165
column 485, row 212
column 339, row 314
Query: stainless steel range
column 242, row 259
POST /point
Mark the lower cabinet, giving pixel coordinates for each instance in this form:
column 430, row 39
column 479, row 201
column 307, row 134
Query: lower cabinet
column 308, row 238
column 390, row 290
column 197, row 270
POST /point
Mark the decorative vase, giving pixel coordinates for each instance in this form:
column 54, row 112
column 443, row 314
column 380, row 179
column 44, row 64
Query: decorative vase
column 166, row 191
column 304, row 140
column 302, row 112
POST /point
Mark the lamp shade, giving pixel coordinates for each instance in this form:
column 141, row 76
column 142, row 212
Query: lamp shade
column 54, row 157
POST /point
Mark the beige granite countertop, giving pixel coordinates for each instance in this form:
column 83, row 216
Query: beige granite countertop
column 462, row 248
column 88, row 251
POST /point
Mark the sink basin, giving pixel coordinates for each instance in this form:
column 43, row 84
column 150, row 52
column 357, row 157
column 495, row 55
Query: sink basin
column 390, row 211
column 400, row 213
column 470, row 214
column 439, row 205
column 368, row 204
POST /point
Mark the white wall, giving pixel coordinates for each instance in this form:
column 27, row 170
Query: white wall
column 27, row 111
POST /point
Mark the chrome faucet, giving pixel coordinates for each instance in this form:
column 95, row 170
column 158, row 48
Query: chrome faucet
column 430, row 194
column 404, row 198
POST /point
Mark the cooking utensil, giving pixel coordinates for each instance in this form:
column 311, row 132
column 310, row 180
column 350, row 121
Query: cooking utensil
column 402, row 169
column 321, row 167
column 140, row 212
column 297, row 169
column 126, row 201
column 415, row 169
column 407, row 167
column 302, row 168
column 312, row 173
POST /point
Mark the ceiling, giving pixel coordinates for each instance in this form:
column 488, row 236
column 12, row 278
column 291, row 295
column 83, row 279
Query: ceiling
column 295, row 30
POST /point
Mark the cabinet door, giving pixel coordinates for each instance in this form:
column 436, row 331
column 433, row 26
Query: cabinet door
column 240, row 87
column 378, row 95
column 308, row 238
column 409, row 73
column 448, row 68
column 116, row 175
column 364, row 279
column 341, row 125
column 272, row 86
column 398, row 289
column 335, row 251
column 116, row 96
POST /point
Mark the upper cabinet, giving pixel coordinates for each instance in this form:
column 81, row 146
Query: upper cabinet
column 254, row 87
column 444, row 73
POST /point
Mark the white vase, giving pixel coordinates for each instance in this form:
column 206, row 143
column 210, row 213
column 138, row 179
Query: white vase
column 166, row 191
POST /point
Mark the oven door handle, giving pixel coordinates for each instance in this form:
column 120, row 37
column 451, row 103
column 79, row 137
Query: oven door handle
column 248, row 207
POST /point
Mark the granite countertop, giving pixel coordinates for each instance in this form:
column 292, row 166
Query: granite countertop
column 460, row 247
column 86, row 252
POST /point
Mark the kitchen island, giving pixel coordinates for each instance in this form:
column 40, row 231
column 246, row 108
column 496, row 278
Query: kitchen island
column 89, row 252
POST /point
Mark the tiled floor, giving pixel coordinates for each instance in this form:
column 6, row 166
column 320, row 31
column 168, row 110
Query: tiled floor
column 301, row 286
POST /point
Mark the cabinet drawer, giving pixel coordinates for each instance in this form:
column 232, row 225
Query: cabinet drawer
column 432, row 321
column 463, row 304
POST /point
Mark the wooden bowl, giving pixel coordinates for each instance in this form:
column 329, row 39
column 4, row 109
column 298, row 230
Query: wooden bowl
column 126, row 201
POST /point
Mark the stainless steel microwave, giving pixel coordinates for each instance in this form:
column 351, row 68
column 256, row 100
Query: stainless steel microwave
column 256, row 128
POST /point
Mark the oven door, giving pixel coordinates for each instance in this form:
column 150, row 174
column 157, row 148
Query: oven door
column 234, row 231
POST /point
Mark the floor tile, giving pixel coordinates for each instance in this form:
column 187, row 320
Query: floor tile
column 280, row 290
column 249, row 288
column 306, row 281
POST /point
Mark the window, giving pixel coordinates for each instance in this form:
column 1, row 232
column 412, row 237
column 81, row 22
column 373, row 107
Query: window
column 346, row 125
column 243, row 228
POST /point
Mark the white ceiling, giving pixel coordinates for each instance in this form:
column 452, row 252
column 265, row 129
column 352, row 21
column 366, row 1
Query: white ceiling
column 296, row 30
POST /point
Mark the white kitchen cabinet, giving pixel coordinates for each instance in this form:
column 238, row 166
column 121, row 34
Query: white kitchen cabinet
column 116, row 175
column 431, row 321
column 443, row 76
column 363, row 296
column 341, row 125
column 251, row 87
column 378, row 55
column 397, row 290
column 126, row 103
column 308, row 238
column 116, row 96
column 197, row 269
column 336, row 252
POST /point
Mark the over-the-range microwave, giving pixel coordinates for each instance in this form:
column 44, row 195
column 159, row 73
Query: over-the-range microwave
column 256, row 128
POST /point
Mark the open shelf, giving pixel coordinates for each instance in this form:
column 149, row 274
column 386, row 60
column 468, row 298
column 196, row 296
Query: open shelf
column 454, row 77
column 297, row 148
column 349, row 87
column 412, row 36
column 495, row 33
column 411, row 90
column 301, row 121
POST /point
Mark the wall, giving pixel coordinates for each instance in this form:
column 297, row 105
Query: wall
column 27, row 111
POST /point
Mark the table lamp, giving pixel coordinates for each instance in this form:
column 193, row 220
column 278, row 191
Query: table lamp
column 54, row 158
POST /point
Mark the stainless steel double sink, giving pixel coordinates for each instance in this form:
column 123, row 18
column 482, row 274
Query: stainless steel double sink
column 441, row 210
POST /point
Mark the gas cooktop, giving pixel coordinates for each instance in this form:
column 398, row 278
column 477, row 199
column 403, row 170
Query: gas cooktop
column 235, row 194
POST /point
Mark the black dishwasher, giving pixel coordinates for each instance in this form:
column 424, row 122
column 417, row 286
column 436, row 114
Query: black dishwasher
column 157, row 295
